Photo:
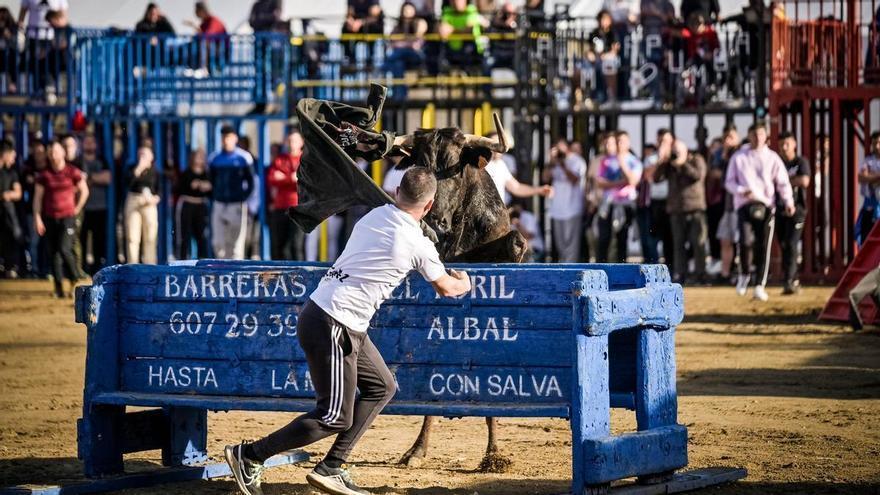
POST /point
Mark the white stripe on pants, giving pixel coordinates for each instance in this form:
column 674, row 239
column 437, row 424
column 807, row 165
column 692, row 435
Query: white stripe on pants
column 229, row 229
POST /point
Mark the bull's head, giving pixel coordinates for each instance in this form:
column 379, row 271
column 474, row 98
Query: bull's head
column 455, row 158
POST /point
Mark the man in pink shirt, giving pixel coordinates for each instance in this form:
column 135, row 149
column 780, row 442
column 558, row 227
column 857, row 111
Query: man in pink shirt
column 755, row 177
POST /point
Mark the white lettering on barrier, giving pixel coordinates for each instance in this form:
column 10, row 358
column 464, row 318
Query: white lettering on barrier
column 496, row 288
column 181, row 376
column 240, row 286
column 471, row 329
column 246, row 325
column 291, row 381
column 519, row 385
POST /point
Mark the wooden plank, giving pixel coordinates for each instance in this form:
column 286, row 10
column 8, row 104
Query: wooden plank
column 495, row 286
column 283, row 379
column 660, row 307
column 646, row 452
column 475, row 343
column 396, row 407
column 148, row 478
column 685, row 481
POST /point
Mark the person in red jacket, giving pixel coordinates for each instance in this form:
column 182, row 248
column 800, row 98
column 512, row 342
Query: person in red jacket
column 288, row 241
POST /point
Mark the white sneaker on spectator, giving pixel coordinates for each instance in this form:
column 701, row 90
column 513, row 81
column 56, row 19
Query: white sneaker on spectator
column 742, row 285
column 760, row 294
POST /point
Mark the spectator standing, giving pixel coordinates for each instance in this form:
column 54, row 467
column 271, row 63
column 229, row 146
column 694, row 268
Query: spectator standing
column 9, row 65
column 657, row 18
column 194, row 192
column 686, row 174
column 207, row 24
column 71, row 152
column 60, row 193
column 211, row 39
column 407, row 51
column 603, row 57
column 791, row 228
column 232, row 180
column 721, row 214
column 94, row 224
column 506, row 183
column 526, row 223
column 253, row 231
column 288, row 241
column 39, row 36
column 141, row 211
column 567, row 172
column 653, row 220
column 11, row 234
column 463, row 18
column 625, row 17
column 701, row 46
column 618, row 176
column 154, row 22
column 362, row 17
column 709, row 8
column 755, row 176
column 869, row 183
column 266, row 15
column 37, row 161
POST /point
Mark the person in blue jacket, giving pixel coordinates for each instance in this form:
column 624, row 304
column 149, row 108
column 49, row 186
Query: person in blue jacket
column 232, row 180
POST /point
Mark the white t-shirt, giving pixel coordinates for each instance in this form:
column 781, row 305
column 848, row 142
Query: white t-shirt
column 392, row 180
column 37, row 26
column 385, row 245
column 500, row 174
column 568, row 198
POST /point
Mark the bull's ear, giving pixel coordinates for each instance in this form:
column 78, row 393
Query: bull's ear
column 483, row 162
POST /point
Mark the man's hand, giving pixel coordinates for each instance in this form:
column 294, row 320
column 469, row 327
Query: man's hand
column 463, row 276
column 546, row 191
column 747, row 195
column 39, row 226
column 790, row 210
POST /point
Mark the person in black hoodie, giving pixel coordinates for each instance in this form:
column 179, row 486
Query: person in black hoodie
column 194, row 192
column 154, row 22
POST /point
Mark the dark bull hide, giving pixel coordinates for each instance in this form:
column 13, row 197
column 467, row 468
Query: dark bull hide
column 469, row 218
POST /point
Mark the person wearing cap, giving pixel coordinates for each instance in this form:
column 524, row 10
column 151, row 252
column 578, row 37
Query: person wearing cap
column 232, row 180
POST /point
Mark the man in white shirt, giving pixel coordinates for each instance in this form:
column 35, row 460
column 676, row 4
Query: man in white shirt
column 567, row 171
column 506, row 183
column 352, row 383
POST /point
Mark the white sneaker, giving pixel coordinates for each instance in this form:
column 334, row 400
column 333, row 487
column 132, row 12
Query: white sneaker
column 742, row 284
column 760, row 294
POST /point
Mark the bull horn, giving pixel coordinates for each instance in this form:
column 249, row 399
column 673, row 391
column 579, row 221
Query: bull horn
column 499, row 145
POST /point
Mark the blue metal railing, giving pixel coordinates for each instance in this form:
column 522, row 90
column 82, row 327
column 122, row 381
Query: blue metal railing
column 149, row 75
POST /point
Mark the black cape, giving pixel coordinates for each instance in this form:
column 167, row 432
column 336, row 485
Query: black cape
column 335, row 134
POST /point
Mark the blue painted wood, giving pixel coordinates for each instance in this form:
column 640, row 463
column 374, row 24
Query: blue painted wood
column 148, row 478
column 634, row 454
column 567, row 341
column 187, row 443
column 282, row 379
column 656, row 396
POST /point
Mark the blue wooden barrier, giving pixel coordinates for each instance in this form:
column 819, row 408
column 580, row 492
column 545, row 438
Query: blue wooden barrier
column 567, row 341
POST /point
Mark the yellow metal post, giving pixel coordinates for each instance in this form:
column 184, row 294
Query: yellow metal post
column 377, row 171
column 322, row 242
column 487, row 124
column 429, row 118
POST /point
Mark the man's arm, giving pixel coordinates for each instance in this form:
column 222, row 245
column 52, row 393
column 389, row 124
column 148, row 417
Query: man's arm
column 694, row 168
column 83, row 195
column 521, row 190
column 14, row 194
column 453, row 284
column 38, row 209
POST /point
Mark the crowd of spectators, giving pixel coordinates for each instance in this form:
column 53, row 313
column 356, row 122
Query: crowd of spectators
column 697, row 211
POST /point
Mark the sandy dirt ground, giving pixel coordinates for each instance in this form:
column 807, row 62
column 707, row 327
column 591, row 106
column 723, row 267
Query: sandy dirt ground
column 762, row 386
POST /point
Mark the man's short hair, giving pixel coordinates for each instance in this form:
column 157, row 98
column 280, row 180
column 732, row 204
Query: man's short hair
column 786, row 135
column 228, row 129
column 621, row 133
column 875, row 135
column 6, row 146
column 417, row 186
column 760, row 124
column 664, row 131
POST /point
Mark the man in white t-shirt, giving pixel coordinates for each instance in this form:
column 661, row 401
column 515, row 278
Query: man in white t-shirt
column 506, row 183
column 567, row 171
column 352, row 383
